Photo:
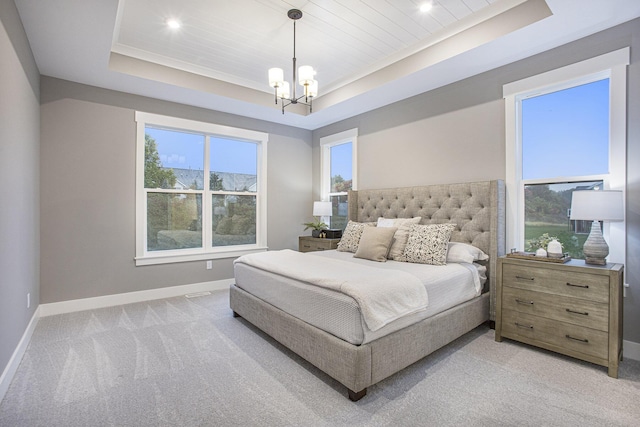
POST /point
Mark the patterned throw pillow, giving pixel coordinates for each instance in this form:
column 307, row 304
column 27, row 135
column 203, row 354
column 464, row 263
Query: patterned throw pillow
column 427, row 244
column 351, row 236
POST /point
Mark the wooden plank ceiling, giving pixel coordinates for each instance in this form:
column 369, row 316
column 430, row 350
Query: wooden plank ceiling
column 237, row 41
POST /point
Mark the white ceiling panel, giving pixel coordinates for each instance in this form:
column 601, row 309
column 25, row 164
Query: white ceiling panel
column 367, row 53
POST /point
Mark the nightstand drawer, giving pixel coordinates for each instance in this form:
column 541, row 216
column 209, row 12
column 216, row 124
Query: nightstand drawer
column 312, row 244
column 575, row 311
column 572, row 284
column 534, row 330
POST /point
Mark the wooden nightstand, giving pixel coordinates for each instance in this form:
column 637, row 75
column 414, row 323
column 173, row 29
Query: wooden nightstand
column 573, row 308
column 311, row 244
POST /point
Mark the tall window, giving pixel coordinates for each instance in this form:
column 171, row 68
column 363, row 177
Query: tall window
column 565, row 132
column 338, row 173
column 200, row 190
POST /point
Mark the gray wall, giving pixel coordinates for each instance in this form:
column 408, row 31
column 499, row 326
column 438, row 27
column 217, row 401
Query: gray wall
column 88, row 191
column 457, row 134
column 19, row 175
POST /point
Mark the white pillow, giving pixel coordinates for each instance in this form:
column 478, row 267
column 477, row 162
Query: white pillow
column 463, row 252
column 427, row 244
column 402, row 233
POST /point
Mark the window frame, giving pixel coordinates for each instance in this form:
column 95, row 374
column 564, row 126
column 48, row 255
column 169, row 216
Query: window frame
column 613, row 66
column 207, row 251
column 328, row 142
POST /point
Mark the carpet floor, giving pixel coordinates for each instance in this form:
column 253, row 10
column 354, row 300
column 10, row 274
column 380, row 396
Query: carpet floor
column 187, row 362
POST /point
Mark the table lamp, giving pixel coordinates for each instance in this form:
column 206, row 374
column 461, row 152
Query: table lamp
column 596, row 206
column 321, row 209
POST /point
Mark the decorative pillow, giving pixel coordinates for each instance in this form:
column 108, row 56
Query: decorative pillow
column 375, row 243
column 427, row 244
column 463, row 252
column 351, row 236
column 402, row 234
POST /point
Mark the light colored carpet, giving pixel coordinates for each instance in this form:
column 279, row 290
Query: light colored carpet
column 188, row 362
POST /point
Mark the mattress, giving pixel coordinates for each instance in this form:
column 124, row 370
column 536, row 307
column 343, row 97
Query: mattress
column 339, row 314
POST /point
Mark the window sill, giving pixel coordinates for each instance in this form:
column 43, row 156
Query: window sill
column 163, row 258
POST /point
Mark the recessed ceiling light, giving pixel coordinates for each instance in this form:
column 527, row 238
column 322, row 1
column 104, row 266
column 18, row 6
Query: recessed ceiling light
column 174, row 24
column 426, row 7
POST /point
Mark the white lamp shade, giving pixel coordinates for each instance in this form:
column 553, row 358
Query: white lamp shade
column 597, row 205
column 276, row 77
column 305, row 74
column 322, row 209
column 312, row 89
column 284, row 91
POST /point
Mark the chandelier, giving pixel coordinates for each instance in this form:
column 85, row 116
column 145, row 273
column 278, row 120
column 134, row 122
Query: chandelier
column 305, row 75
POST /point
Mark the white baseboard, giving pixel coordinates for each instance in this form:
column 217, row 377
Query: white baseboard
column 130, row 297
column 631, row 350
column 16, row 357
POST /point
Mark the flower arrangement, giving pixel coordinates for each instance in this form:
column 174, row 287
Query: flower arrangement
column 541, row 242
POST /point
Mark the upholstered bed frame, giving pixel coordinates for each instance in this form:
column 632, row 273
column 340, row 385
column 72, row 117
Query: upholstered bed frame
column 477, row 209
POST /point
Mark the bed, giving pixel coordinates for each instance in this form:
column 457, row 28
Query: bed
column 477, row 212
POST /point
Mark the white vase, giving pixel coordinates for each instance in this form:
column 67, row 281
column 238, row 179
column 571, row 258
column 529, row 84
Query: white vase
column 541, row 253
column 554, row 249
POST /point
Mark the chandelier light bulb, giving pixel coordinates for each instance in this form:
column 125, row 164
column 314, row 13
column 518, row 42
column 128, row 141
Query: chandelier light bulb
column 285, row 92
column 276, row 77
column 305, row 74
column 312, row 89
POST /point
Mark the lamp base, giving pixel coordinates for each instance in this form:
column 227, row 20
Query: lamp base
column 595, row 249
column 595, row 261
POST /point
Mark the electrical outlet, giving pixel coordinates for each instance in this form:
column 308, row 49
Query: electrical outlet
column 28, row 300
column 209, row 265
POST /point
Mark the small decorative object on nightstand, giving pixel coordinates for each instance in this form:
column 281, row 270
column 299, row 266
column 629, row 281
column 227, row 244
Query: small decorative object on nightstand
column 571, row 308
column 554, row 249
column 312, row 244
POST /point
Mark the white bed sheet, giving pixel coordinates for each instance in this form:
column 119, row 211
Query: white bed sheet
column 338, row 314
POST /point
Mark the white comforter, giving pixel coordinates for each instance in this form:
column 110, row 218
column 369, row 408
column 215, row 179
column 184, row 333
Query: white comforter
column 383, row 295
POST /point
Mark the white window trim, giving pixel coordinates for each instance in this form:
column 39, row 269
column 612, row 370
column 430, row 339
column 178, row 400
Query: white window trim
column 144, row 257
column 612, row 65
column 326, row 143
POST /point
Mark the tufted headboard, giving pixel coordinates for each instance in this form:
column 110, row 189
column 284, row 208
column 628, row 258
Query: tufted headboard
column 477, row 209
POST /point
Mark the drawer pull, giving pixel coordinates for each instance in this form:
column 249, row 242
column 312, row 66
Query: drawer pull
column 519, row 301
column 519, row 325
column 578, row 286
column 584, row 313
column 524, row 278
column 306, row 246
column 584, row 340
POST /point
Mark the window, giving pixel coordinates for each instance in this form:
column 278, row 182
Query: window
column 200, row 190
column 565, row 132
column 338, row 173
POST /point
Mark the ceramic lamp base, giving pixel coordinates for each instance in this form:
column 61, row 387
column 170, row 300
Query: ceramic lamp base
column 595, row 261
column 595, row 249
